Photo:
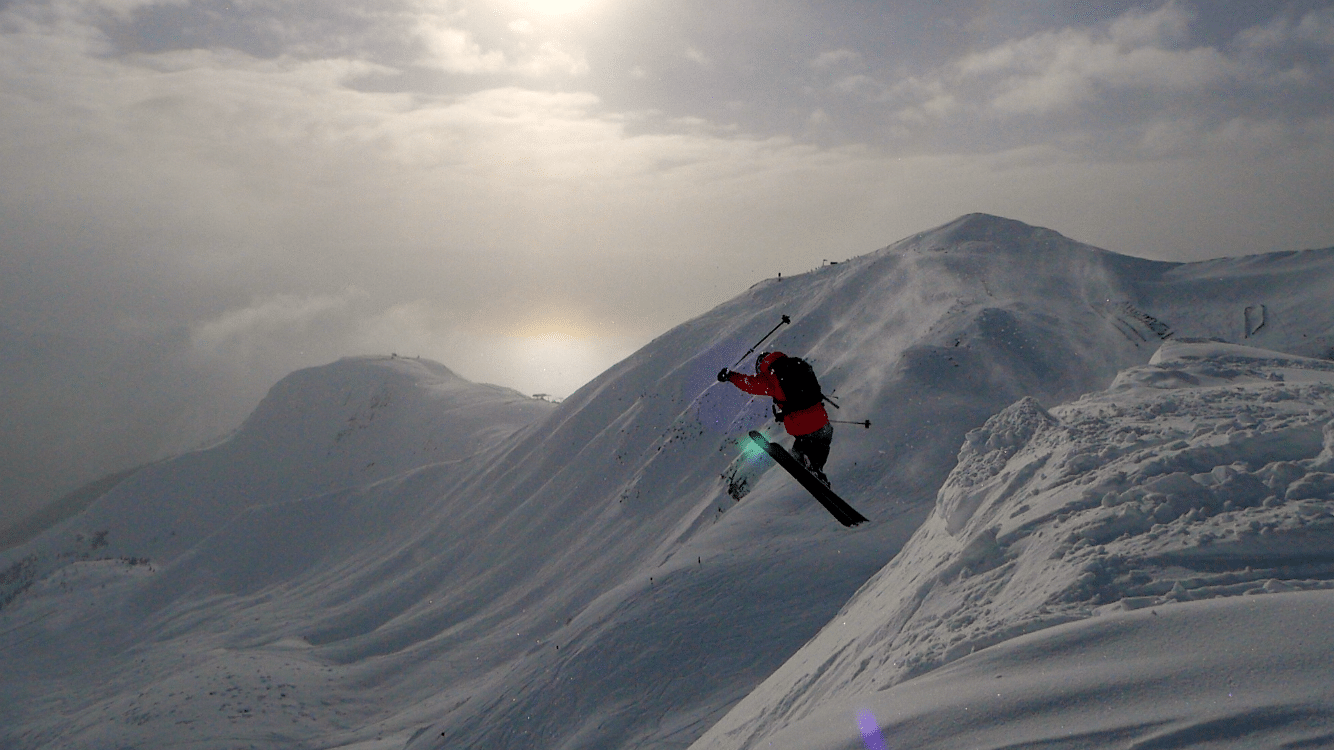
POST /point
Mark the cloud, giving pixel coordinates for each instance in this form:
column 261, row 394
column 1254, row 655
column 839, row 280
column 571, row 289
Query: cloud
column 1281, row 34
column 242, row 334
column 454, row 50
column 450, row 47
column 1316, row 28
column 860, row 84
column 1062, row 70
column 1134, row 85
column 550, row 58
column 1166, row 26
column 834, row 59
column 92, row 9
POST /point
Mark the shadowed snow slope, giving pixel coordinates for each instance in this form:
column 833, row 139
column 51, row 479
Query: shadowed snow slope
column 502, row 573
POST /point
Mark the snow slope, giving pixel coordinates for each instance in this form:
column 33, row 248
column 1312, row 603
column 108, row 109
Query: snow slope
column 579, row 575
column 1207, row 473
column 1238, row 672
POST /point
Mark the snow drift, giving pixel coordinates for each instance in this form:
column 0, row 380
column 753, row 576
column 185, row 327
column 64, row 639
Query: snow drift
column 454, row 565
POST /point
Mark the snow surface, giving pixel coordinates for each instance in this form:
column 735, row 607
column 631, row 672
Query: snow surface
column 386, row 556
column 1237, row 672
column 1205, row 474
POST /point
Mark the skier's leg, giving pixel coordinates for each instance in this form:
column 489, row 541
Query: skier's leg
column 812, row 450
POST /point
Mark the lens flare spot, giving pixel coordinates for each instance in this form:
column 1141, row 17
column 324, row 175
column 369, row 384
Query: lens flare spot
column 750, row 449
column 870, row 729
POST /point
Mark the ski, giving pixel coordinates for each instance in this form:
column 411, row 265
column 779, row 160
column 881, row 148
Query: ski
column 837, row 507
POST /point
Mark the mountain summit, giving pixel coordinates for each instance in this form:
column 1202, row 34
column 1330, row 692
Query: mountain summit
column 387, row 556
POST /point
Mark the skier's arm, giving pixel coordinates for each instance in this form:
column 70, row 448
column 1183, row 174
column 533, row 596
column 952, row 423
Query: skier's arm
column 757, row 385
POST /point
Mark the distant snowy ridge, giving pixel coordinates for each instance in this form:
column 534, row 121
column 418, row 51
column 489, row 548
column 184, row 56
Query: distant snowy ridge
column 1208, row 472
column 349, row 424
column 503, row 572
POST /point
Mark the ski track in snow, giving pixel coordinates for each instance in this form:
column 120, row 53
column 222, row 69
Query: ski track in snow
column 387, row 556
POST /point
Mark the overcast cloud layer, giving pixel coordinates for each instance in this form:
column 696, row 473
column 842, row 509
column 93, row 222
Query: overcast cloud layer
column 199, row 197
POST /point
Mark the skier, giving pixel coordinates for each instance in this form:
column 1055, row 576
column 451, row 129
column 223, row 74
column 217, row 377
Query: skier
column 798, row 404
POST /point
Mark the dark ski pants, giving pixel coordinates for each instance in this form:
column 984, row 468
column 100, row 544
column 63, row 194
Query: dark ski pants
column 813, row 449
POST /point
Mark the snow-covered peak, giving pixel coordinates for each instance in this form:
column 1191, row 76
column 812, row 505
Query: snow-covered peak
column 376, row 416
column 984, row 231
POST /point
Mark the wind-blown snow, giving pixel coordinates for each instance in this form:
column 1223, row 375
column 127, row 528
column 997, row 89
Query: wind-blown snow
column 387, row 556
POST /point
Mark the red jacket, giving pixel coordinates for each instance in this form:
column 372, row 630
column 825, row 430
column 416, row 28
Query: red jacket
column 796, row 423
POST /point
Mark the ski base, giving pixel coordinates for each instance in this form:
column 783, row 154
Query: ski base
column 837, row 506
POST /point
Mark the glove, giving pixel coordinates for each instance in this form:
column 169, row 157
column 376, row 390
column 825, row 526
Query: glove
column 722, row 375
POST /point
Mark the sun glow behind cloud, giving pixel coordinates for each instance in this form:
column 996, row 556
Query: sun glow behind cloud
column 556, row 359
column 558, row 354
column 555, row 7
column 565, row 361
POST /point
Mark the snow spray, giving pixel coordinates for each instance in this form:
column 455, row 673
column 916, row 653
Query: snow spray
column 870, row 731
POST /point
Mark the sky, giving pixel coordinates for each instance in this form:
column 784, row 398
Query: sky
column 200, row 197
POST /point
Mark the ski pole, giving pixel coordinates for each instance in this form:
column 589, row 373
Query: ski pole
column 786, row 320
column 866, row 424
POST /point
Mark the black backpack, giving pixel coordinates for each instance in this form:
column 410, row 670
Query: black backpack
column 797, row 379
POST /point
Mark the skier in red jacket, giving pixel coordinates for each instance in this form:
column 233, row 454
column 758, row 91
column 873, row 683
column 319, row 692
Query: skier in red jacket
column 809, row 424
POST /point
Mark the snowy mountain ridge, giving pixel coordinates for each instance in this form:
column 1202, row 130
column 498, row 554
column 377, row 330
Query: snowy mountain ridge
column 506, row 572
